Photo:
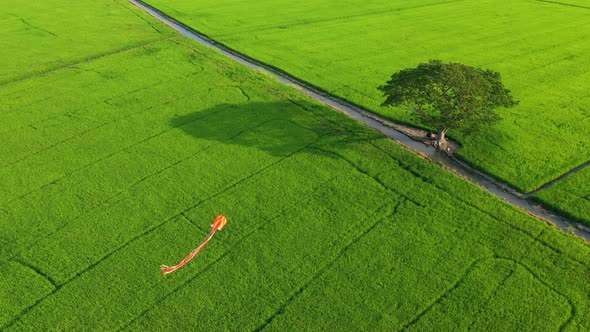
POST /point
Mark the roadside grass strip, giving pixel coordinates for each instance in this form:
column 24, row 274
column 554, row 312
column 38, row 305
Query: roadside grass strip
column 331, row 225
column 541, row 48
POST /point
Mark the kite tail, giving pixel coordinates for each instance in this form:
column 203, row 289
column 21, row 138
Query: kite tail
column 169, row 269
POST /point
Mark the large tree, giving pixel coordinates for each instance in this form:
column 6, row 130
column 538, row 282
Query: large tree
column 448, row 96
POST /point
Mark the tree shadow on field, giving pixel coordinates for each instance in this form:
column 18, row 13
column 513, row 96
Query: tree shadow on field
column 278, row 128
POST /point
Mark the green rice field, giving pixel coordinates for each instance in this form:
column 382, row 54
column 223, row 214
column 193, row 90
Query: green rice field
column 117, row 156
column 40, row 36
column 541, row 48
column 570, row 196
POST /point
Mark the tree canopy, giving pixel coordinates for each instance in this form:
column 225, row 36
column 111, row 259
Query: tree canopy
column 448, row 96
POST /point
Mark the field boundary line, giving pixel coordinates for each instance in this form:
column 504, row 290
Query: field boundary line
column 386, row 127
column 441, row 297
column 96, row 161
column 80, row 134
column 536, row 276
column 138, row 15
column 563, row 4
column 558, row 179
column 82, row 61
column 367, row 174
column 326, row 268
column 342, row 18
column 37, row 270
column 34, row 26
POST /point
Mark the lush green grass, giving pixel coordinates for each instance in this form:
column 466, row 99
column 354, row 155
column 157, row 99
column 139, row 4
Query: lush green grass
column 329, row 222
column 119, row 165
column 39, row 36
column 542, row 50
column 570, row 196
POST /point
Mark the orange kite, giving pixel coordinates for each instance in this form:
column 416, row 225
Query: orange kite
column 217, row 225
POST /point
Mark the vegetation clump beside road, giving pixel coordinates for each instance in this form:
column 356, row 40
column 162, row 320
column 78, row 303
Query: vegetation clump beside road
column 114, row 166
column 448, row 96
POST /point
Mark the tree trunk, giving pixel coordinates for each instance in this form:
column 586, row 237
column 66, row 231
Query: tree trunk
column 441, row 141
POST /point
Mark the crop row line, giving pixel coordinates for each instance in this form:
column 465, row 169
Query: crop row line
column 444, row 192
column 573, row 308
column 109, row 101
column 37, row 271
column 379, row 12
column 471, row 267
column 445, row 294
column 83, row 61
column 34, row 27
column 123, row 116
column 70, row 138
column 138, row 15
column 487, row 213
column 110, row 155
column 367, row 174
column 237, row 183
column 554, row 181
column 259, row 228
column 564, row 4
column 67, row 112
column 572, row 305
column 327, row 267
column 497, row 288
column 80, row 273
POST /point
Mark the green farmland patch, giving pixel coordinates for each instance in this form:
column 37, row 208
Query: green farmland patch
column 323, row 213
column 541, row 48
column 570, row 196
column 40, row 36
column 119, row 164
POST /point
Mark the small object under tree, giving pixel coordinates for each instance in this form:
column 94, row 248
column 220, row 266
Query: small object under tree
column 448, row 96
